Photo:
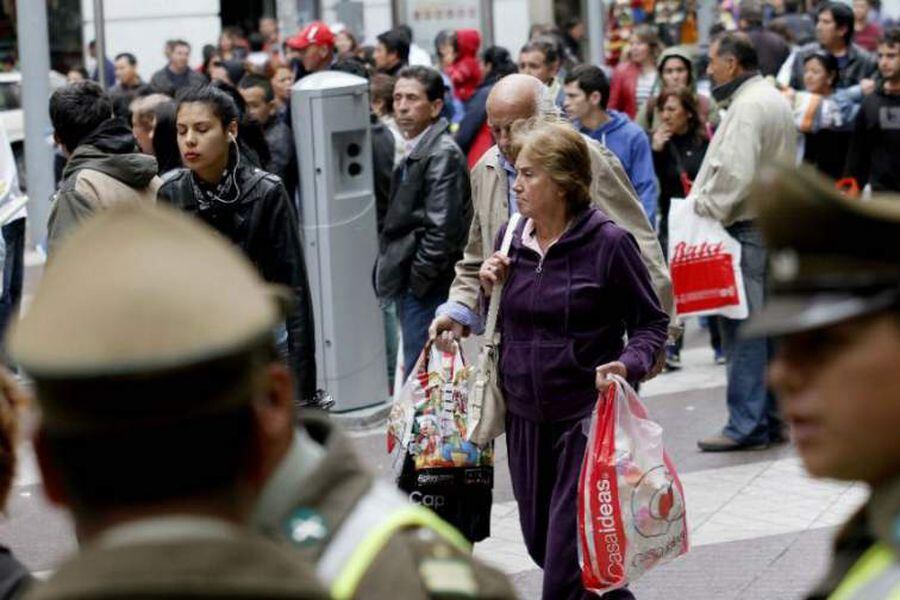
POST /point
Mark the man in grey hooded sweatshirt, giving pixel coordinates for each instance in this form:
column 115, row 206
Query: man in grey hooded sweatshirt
column 103, row 164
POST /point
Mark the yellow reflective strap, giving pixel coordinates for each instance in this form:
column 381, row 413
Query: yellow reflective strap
column 365, row 554
column 875, row 560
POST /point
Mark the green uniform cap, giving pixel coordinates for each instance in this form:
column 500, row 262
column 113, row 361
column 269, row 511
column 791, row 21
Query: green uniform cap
column 138, row 291
column 831, row 258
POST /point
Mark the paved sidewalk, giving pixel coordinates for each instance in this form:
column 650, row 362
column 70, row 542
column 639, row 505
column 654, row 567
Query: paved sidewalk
column 730, row 504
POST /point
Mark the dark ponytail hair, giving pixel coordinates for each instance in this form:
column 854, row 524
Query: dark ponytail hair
column 223, row 105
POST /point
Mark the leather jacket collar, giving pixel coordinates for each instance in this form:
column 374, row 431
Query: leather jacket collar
column 434, row 132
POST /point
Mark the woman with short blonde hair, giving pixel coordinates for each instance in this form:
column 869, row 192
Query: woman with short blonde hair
column 575, row 285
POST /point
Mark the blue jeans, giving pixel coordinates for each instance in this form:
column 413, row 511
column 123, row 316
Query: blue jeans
column 416, row 315
column 752, row 412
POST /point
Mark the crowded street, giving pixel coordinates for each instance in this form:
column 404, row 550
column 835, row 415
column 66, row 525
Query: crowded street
column 495, row 299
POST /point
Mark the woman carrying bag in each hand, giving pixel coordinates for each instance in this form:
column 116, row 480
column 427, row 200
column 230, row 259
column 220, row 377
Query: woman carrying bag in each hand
column 574, row 285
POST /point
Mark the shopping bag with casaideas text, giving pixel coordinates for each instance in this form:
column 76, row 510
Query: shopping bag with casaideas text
column 631, row 511
column 705, row 264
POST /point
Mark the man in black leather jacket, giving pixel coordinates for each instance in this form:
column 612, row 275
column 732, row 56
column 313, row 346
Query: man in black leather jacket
column 427, row 220
column 263, row 223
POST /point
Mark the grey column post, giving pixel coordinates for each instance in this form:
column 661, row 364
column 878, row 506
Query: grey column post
column 34, row 55
column 706, row 15
column 100, row 36
column 596, row 26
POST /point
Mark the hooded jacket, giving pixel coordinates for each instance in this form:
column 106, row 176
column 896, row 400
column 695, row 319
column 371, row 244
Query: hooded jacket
column 465, row 72
column 566, row 313
column 610, row 191
column 105, row 169
column 632, row 147
column 648, row 116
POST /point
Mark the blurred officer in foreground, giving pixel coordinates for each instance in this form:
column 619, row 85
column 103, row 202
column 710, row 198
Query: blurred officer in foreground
column 836, row 309
column 156, row 366
column 366, row 540
column 151, row 347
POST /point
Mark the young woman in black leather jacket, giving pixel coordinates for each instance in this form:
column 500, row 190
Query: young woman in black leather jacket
column 250, row 207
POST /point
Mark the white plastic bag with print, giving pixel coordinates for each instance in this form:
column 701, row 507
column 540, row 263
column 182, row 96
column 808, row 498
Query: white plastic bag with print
column 631, row 511
column 705, row 265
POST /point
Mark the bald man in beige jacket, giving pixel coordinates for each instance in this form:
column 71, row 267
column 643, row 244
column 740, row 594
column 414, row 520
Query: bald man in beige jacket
column 513, row 98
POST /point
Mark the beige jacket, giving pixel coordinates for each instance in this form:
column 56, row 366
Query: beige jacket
column 95, row 180
column 611, row 191
column 757, row 126
column 231, row 563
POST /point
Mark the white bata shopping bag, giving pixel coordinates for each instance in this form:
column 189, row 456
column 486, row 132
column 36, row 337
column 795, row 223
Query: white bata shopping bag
column 705, row 265
column 631, row 511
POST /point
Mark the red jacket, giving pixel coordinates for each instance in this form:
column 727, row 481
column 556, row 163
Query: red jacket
column 465, row 72
column 623, row 90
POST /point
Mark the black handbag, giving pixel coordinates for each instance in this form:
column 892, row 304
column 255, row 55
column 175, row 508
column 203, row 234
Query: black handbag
column 462, row 496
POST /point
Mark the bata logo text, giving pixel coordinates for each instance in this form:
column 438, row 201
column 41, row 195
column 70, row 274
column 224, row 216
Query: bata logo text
column 685, row 251
column 609, row 531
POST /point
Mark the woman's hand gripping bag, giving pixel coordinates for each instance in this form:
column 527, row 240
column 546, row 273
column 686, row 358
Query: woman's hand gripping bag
column 631, row 510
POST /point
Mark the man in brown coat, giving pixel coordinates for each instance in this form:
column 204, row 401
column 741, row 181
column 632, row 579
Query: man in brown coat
column 513, row 98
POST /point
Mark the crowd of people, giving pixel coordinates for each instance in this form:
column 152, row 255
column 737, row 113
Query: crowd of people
column 591, row 157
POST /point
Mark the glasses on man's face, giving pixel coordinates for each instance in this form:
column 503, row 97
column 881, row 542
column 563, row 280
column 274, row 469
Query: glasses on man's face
column 215, row 63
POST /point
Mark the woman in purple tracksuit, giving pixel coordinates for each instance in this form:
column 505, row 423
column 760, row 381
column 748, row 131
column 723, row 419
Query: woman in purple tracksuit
column 575, row 286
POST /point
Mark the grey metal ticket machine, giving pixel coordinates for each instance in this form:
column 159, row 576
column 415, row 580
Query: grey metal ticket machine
column 330, row 112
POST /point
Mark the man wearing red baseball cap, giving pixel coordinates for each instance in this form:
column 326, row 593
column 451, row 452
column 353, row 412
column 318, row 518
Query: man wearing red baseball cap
column 315, row 43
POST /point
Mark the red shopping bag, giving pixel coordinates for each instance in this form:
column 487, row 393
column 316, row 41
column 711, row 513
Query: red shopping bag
column 631, row 511
column 705, row 264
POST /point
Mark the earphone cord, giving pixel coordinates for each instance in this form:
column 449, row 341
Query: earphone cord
column 233, row 175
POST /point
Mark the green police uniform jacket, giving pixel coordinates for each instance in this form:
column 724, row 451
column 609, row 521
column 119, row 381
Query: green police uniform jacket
column 312, row 503
column 866, row 562
column 180, row 557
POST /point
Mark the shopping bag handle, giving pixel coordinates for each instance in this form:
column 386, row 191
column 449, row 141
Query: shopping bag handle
column 631, row 396
column 422, row 362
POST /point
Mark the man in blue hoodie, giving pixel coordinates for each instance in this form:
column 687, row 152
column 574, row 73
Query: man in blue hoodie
column 586, row 95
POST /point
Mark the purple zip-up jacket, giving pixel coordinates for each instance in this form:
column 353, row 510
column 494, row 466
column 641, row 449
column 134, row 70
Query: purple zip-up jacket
column 562, row 316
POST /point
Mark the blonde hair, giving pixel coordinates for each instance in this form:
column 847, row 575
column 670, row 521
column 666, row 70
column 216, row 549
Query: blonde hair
column 561, row 151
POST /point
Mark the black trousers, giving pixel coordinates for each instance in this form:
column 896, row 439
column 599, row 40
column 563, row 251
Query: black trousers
column 544, row 463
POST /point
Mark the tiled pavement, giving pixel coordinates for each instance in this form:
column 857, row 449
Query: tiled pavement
column 727, row 505
column 760, row 528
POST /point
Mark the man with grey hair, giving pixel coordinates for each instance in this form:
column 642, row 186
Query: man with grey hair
column 513, row 98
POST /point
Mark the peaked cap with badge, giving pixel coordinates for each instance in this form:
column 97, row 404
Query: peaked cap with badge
column 832, row 258
column 146, row 293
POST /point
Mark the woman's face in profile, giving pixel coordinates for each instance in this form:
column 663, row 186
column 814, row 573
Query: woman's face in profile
column 537, row 195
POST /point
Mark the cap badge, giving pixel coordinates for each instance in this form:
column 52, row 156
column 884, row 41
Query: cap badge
column 306, row 527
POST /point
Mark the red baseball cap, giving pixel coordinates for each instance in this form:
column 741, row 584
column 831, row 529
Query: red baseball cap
column 317, row 33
